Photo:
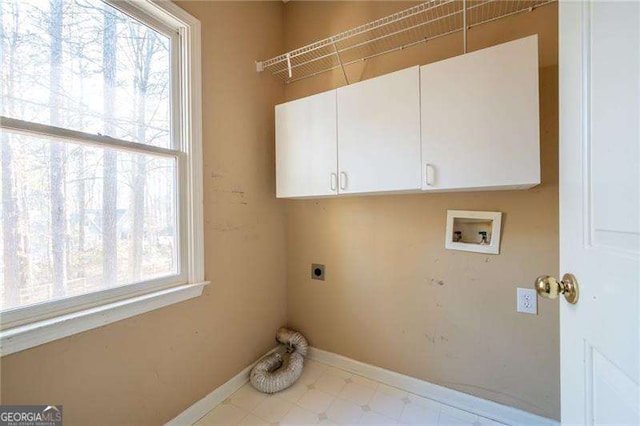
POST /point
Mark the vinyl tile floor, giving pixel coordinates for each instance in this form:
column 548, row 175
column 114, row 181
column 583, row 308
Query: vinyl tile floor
column 328, row 395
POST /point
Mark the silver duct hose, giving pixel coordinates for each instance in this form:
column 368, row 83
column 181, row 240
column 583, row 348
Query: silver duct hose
column 278, row 371
column 294, row 340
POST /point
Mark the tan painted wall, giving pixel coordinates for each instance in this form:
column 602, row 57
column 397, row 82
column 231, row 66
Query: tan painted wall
column 149, row 368
column 394, row 297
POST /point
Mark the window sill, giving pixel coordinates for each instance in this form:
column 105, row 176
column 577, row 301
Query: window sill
column 30, row 335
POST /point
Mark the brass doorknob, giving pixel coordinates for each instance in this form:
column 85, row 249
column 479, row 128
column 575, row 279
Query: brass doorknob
column 550, row 288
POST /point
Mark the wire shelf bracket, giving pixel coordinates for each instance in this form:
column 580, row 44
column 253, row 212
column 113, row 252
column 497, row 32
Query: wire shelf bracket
column 418, row 24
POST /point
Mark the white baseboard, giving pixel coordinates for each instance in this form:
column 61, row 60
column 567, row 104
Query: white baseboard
column 206, row 404
column 489, row 409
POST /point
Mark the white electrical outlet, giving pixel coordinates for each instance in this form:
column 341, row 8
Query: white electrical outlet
column 527, row 301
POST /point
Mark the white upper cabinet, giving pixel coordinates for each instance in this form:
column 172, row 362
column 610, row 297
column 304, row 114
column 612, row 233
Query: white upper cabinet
column 306, row 147
column 480, row 124
column 466, row 123
column 379, row 134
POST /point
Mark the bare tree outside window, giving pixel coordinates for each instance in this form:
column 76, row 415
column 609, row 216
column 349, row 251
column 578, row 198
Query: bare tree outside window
column 110, row 166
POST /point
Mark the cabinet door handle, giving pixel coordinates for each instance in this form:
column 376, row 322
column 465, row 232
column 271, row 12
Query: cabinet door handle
column 343, row 180
column 428, row 176
column 334, row 181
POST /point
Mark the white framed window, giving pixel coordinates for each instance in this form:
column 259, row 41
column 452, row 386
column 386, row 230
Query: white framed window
column 101, row 183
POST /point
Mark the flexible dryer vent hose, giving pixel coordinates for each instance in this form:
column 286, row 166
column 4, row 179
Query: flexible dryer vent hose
column 277, row 371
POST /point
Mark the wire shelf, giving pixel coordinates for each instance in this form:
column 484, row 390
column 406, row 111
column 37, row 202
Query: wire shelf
column 418, row 24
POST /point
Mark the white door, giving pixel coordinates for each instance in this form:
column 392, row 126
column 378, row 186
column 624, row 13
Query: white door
column 480, row 126
column 379, row 134
column 600, row 210
column 306, row 151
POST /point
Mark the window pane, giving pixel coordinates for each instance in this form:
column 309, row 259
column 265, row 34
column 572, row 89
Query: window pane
column 77, row 219
column 83, row 65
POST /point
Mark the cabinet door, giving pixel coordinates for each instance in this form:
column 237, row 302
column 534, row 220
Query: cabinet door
column 379, row 134
column 480, row 126
column 306, row 151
